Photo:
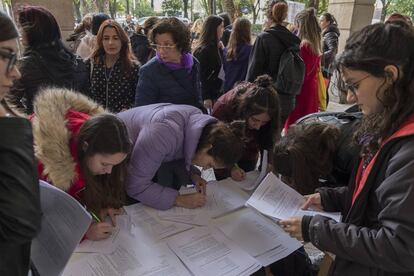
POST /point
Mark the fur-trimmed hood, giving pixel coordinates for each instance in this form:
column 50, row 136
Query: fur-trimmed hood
column 51, row 136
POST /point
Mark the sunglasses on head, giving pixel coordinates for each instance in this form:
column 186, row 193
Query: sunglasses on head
column 11, row 56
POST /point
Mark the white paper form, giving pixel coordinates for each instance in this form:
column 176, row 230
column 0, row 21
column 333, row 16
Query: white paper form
column 257, row 235
column 206, row 251
column 105, row 246
column 142, row 217
column 222, row 197
column 276, row 199
column 131, row 258
column 254, row 178
column 63, row 224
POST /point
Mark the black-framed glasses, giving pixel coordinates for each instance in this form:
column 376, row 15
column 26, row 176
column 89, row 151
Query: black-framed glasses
column 11, row 56
column 353, row 87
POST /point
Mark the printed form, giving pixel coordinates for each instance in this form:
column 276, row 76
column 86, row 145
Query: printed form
column 206, row 251
column 276, row 199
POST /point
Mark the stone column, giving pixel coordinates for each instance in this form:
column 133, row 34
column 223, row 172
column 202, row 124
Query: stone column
column 352, row 15
column 61, row 9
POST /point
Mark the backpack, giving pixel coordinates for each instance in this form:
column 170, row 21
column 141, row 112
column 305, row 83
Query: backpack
column 291, row 72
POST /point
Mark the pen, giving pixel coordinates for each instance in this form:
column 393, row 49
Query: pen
column 236, row 166
column 95, row 217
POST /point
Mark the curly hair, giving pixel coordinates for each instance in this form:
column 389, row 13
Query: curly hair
column 178, row 30
column 371, row 50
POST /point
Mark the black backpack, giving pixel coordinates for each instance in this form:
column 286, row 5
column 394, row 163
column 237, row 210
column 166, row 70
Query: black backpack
column 291, row 72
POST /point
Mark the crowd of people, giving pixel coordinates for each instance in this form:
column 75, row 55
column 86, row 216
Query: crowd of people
column 133, row 112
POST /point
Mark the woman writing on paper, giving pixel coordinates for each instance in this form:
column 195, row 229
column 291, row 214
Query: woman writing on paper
column 82, row 150
column 168, row 141
column 375, row 235
column 257, row 104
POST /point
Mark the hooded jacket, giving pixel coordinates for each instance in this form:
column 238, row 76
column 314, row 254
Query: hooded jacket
column 330, row 48
column 160, row 133
column 236, row 69
column 376, row 234
column 58, row 117
column 265, row 58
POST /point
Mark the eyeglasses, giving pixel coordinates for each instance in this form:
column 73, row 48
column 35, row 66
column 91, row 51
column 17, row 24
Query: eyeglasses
column 353, row 87
column 12, row 57
column 163, row 47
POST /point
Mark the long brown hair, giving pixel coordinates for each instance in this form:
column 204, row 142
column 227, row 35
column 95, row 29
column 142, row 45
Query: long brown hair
column 126, row 56
column 309, row 29
column 306, row 154
column 241, row 34
column 103, row 134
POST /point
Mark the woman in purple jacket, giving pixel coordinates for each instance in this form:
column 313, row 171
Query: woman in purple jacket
column 168, row 141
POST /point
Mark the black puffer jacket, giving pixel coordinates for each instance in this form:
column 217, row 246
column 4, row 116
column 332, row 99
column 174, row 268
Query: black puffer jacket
column 265, row 57
column 211, row 60
column 43, row 66
column 330, row 48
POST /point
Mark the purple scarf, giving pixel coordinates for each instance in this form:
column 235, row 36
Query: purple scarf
column 187, row 62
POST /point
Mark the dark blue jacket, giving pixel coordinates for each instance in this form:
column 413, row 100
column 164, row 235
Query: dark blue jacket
column 236, row 69
column 159, row 84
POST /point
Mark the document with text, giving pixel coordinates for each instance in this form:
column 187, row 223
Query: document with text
column 206, row 251
column 257, row 235
column 253, row 178
column 276, row 199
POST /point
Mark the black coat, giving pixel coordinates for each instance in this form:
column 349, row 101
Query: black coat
column 19, row 196
column 265, row 57
column 141, row 48
column 48, row 65
column 330, row 49
column 211, row 60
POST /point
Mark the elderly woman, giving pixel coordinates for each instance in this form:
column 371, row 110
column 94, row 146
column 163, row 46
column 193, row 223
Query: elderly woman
column 172, row 76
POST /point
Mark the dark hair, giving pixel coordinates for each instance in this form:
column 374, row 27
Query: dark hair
column 330, row 18
column 260, row 97
column 306, row 154
column 126, row 56
column 240, row 34
column 226, row 18
column 178, row 30
column 147, row 26
column 7, row 28
column 371, row 50
column 97, row 21
column 227, row 145
column 103, row 134
column 39, row 25
column 399, row 17
column 209, row 31
column 277, row 11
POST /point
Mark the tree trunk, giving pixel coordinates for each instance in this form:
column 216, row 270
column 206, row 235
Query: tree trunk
column 152, row 3
column 76, row 6
column 192, row 10
column 185, row 8
column 127, row 6
column 112, row 8
column 229, row 7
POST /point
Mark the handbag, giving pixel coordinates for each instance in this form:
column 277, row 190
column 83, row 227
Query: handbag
column 321, row 90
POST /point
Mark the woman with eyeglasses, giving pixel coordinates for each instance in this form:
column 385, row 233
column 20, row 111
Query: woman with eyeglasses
column 45, row 61
column 375, row 235
column 173, row 75
column 113, row 68
column 19, row 191
column 209, row 51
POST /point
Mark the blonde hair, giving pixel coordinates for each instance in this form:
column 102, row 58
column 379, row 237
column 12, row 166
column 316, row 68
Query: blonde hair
column 197, row 26
column 309, row 29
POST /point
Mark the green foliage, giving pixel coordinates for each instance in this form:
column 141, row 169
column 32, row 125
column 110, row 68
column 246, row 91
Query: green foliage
column 143, row 8
column 256, row 28
column 405, row 7
column 172, row 7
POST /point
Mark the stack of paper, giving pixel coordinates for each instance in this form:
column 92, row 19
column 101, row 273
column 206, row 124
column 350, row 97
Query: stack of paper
column 64, row 222
column 206, row 251
column 257, row 235
column 276, row 199
column 222, row 198
column 130, row 258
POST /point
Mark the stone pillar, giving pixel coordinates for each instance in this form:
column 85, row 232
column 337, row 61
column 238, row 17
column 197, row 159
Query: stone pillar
column 352, row 15
column 61, row 9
